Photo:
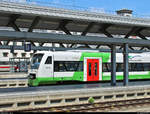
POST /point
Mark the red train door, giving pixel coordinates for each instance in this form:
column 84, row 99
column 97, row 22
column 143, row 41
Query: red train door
column 92, row 69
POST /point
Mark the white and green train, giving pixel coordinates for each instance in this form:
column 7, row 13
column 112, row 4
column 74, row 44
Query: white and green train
column 54, row 66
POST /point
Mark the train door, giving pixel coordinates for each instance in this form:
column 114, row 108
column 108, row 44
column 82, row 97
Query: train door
column 93, row 70
column 48, row 67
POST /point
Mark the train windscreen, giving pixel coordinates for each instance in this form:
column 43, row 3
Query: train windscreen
column 35, row 61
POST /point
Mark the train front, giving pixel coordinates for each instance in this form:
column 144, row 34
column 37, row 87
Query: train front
column 33, row 69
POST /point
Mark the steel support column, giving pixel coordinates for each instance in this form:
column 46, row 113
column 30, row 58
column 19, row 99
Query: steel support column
column 126, row 63
column 113, row 65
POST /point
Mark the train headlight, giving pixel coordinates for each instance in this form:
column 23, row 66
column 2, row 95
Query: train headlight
column 32, row 76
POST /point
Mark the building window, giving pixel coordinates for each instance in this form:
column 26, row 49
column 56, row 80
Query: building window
column 5, row 54
column 15, row 54
column 31, row 54
column 23, row 54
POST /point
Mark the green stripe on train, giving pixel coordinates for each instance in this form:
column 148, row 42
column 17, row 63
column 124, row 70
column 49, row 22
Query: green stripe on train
column 78, row 77
column 105, row 56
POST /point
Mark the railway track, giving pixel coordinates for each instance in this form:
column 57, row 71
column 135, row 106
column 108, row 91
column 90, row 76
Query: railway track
column 99, row 107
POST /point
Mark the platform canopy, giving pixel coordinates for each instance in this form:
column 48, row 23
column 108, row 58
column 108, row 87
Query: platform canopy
column 69, row 39
column 37, row 17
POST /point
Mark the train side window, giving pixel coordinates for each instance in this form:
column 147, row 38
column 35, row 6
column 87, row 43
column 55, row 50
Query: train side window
column 80, row 66
column 62, row 67
column 68, row 66
column 119, row 67
column 49, row 60
column 104, row 67
column 139, row 67
column 108, row 67
column 56, row 66
column 146, row 66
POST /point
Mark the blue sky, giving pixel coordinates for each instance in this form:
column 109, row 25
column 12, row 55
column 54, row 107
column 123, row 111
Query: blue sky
column 139, row 7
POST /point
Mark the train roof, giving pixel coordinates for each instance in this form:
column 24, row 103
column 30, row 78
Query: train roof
column 70, row 55
column 70, row 51
column 88, row 51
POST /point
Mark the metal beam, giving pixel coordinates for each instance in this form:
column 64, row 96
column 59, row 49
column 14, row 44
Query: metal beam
column 113, row 65
column 141, row 36
column 69, row 39
column 88, row 28
column 32, row 43
column 66, row 49
column 142, row 48
column 41, row 44
column 126, row 63
column 136, row 31
column 12, row 21
column 61, row 45
column 98, row 46
column 63, row 23
column 34, row 23
column 104, row 31
column 86, row 31
column 72, row 45
column 62, row 26
column 66, row 30
column 133, row 30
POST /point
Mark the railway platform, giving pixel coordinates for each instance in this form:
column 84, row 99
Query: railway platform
column 14, row 99
column 10, row 75
column 11, row 80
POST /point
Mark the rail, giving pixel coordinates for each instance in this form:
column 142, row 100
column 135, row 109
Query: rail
column 43, row 99
column 120, row 106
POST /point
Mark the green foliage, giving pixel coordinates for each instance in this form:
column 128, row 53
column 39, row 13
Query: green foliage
column 91, row 100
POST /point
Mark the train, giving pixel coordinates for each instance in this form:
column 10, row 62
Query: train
column 10, row 61
column 49, row 67
column 6, row 67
